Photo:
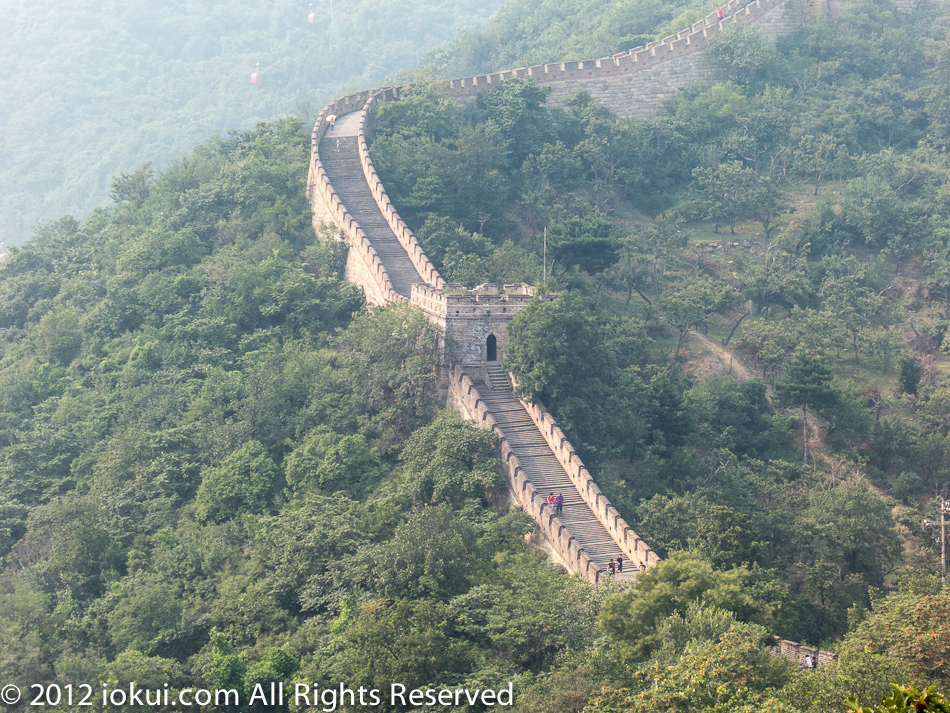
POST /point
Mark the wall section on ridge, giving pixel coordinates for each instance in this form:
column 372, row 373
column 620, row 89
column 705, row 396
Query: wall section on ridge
column 403, row 234
column 635, row 548
column 633, row 83
column 363, row 266
column 640, row 81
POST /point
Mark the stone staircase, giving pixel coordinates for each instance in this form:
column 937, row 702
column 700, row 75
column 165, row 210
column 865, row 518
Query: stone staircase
column 542, row 468
column 497, row 376
column 348, row 180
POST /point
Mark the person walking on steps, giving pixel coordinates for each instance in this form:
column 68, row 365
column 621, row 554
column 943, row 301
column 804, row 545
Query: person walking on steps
column 551, row 500
column 720, row 15
column 620, row 564
column 332, row 120
column 559, row 503
column 611, row 568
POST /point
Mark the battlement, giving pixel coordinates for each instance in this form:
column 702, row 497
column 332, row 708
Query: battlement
column 475, row 321
column 477, row 303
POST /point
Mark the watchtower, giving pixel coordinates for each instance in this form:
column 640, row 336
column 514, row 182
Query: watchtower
column 475, row 321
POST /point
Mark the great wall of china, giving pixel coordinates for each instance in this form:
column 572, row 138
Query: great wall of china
column 385, row 259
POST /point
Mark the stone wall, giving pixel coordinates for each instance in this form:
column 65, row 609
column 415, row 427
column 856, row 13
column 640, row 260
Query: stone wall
column 635, row 548
column 363, row 266
column 644, row 93
column 464, row 397
column 637, row 83
column 797, row 653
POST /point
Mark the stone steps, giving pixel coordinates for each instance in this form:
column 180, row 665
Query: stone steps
column 542, row 468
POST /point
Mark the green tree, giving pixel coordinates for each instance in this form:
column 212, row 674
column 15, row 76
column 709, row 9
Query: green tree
column 552, row 343
column 244, row 483
column 220, row 666
column 745, row 53
column 690, row 304
column 733, row 672
column 909, row 629
column 403, row 641
column 632, row 620
column 586, row 242
column 806, row 383
column 428, row 556
column 517, row 109
column 912, row 370
column 905, row 700
column 731, row 192
column 819, row 155
column 278, row 666
column 510, row 616
column 450, row 460
column 852, row 528
column 328, row 462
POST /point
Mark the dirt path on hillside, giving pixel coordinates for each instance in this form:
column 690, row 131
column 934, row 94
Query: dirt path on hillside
column 722, row 355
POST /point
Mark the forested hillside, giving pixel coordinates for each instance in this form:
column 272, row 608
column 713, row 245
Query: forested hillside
column 90, row 89
column 219, row 468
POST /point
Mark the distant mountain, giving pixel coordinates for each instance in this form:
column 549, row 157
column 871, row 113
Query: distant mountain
column 97, row 87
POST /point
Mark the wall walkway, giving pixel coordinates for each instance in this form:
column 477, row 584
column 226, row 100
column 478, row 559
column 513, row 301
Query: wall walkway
column 339, row 152
column 588, row 533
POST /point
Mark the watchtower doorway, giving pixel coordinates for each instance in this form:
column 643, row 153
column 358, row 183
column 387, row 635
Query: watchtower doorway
column 491, row 348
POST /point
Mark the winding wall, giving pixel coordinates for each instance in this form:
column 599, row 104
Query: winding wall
column 638, row 82
column 629, row 83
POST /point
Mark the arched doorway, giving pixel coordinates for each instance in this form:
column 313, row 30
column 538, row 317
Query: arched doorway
column 491, row 348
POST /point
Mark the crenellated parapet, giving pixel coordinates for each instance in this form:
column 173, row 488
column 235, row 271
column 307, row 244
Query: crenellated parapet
column 638, row 81
column 635, row 548
column 467, row 399
column 475, row 321
column 796, row 653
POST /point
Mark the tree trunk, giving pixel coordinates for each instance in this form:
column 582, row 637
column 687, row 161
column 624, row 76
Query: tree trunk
column 805, row 432
column 680, row 344
column 734, row 328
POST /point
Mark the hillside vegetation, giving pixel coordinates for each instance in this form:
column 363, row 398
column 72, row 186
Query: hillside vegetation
column 220, row 468
column 94, row 88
